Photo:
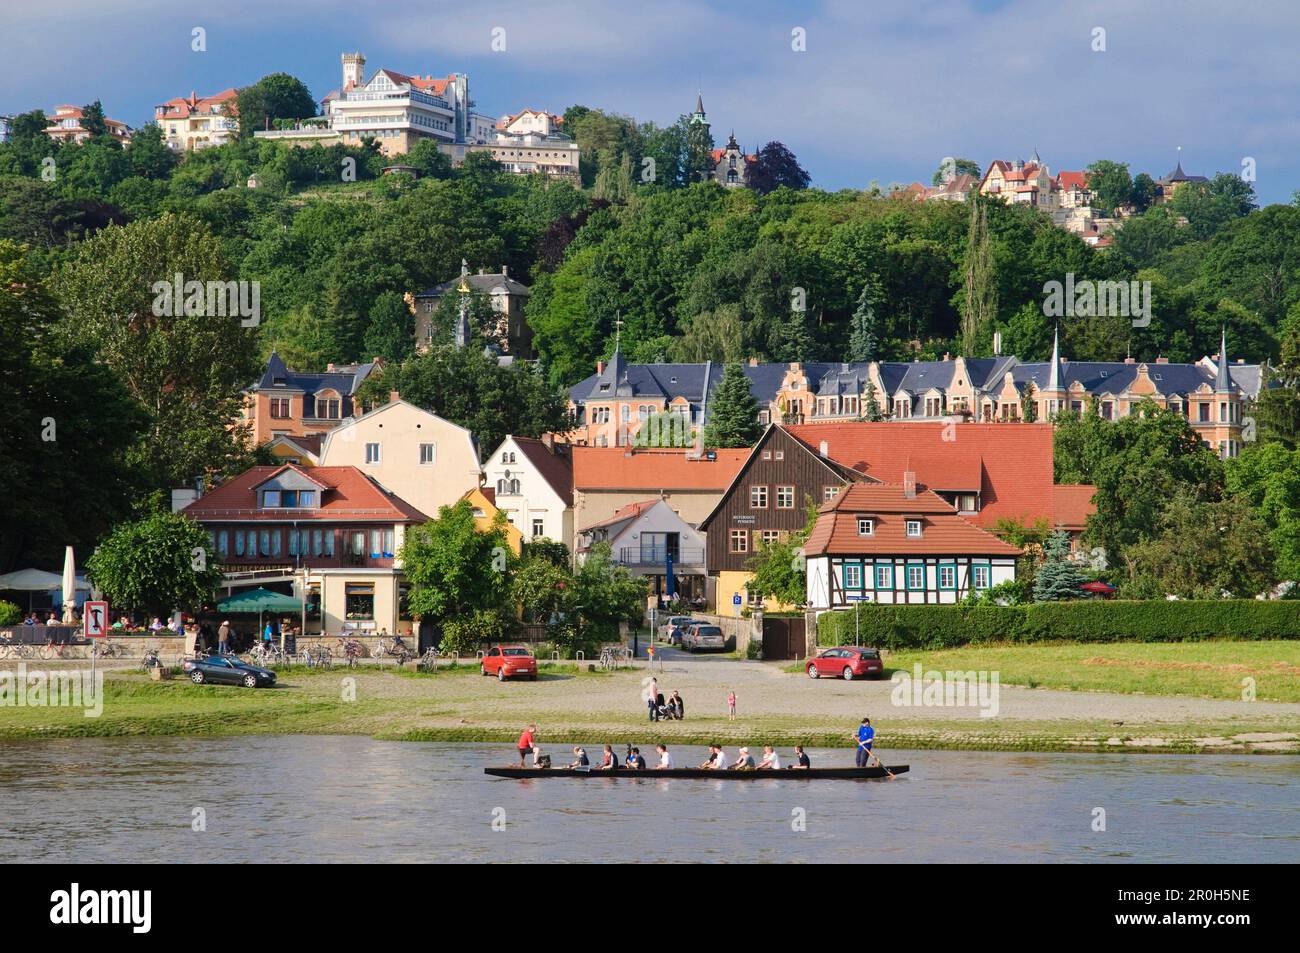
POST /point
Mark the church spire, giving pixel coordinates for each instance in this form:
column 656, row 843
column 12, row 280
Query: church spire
column 1222, row 382
column 1054, row 373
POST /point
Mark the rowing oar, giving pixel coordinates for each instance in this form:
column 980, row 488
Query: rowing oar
column 872, row 754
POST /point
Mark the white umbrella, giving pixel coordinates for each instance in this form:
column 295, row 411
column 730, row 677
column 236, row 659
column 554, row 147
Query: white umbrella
column 69, row 584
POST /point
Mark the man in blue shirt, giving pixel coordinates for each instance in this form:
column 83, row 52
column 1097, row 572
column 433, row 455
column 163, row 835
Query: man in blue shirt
column 866, row 737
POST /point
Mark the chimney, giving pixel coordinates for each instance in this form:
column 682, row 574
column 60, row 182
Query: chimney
column 947, row 356
column 600, row 367
column 329, row 366
column 1162, row 360
column 909, row 484
column 548, row 440
column 753, row 362
column 480, row 270
column 1241, row 360
column 394, row 396
column 824, row 449
column 997, row 343
column 1130, row 360
column 505, row 272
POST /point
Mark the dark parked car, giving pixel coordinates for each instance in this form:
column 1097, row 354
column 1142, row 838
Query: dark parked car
column 227, row 670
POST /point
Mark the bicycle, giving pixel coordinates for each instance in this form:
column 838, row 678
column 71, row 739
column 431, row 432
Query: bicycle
column 349, row 650
column 51, row 649
column 429, row 660
column 106, row 650
column 150, row 660
column 394, row 648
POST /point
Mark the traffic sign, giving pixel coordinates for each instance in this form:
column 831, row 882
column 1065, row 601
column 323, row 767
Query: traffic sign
column 94, row 619
column 735, row 599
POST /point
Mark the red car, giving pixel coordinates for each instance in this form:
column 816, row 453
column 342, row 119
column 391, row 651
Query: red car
column 508, row 661
column 847, row 661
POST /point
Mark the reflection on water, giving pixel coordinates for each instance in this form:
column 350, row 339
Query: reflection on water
column 326, row 799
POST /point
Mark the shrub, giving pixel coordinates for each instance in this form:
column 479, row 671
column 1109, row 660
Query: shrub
column 463, row 635
column 10, row 614
column 1090, row 620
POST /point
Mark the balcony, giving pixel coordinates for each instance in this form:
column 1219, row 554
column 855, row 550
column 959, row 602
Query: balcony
column 651, row 556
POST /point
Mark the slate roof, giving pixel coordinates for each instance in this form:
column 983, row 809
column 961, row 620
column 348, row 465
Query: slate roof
column 344, row 379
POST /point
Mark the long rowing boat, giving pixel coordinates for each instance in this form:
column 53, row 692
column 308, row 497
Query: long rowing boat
column 789, row 774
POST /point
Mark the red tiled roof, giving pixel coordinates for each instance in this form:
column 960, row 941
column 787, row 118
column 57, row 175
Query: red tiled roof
column 350, row 496
column 1014, row 460
column 1072, row 505
column 553, row 464
column 629, row 511
column 619, row 468
column 1072, row 180
column 943, row 532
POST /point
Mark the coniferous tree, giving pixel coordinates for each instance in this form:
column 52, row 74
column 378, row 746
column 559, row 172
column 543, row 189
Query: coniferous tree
column 1028, row 405
column 864, row 336
column 871, row 404
column 733, row 412
column 1057, row 578
column 980, row 293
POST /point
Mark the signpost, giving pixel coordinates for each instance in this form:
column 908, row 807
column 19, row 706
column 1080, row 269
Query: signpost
column 735, row 603
column 94, row 623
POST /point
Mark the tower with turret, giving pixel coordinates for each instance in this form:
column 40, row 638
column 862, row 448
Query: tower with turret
column 354, row 70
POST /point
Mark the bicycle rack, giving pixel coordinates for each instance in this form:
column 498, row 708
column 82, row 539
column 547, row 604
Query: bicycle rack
column 580, row 655
column 555, row 655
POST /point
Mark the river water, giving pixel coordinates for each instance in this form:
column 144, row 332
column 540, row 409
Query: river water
column 351, row 799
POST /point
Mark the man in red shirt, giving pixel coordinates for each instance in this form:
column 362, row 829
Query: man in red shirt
column 526, row 741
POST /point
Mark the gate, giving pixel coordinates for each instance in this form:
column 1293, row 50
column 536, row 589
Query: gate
column 784, row 637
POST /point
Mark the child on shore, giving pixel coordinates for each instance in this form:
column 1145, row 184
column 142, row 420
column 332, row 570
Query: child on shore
column 731, row 706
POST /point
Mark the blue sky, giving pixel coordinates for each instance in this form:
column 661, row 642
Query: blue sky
column 883, row 92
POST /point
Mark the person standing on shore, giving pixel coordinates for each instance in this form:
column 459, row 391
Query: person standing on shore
column 866, row 738
column 223, row 638
column 527, row 741
column 731, row 706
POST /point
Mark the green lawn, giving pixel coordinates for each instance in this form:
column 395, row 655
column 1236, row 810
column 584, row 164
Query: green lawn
column 1201, row 669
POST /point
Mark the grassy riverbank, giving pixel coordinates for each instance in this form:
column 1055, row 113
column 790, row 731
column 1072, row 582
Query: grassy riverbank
column 570, row 705
column 1197, row 669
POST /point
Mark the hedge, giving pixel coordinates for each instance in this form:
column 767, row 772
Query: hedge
column 1092, row 620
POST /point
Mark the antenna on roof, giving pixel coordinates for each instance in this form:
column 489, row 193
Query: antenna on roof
column 618, row 329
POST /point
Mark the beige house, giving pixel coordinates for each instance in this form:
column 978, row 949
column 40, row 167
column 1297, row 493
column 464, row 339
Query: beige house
column 427, row 461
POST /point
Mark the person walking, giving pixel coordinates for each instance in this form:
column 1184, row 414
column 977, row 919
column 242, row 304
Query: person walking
column 866, row 738
column 652, row 698
column 731, row 706
column 223, row 638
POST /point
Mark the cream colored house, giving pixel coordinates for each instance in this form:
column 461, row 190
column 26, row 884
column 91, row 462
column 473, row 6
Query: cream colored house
column 532, row 483
column 427, row 461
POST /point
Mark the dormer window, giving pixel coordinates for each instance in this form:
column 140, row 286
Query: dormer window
column 913, row 528
column 288, row 499
column 866, row 526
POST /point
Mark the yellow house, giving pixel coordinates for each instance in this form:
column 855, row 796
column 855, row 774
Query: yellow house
column 483, row 500
column 303, row 451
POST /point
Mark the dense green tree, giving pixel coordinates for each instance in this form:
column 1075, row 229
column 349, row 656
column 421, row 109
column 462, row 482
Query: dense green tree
column 472, row 389
column 454, row 567
column 1110, row 184
column 67, row 419
column 1208, row 206
column 1136, row 463
column 1202, row 550
column 149, row 156
column 733, row 412
column 156, row 564
column 390, row 333
column 183, row 362
column 277, row 96
column 1267, row 477
column 955, row 168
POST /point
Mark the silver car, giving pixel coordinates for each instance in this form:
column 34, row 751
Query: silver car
column 704, row 637
column 674, row 622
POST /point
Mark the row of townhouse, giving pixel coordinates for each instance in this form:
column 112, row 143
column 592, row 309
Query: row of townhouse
column 327, row 521
column 612, row 405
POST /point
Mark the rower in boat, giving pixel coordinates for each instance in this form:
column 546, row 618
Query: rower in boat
column 609, row 760
column 714, row 756
column 526, row 742
column 744, row 762
column 665, row 759
column 866, row 738
column 579, row 758
column 801, row 760
column 771, row 760
column 634, row 760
